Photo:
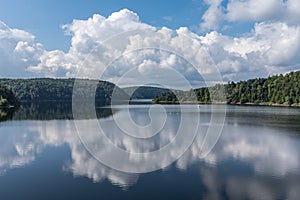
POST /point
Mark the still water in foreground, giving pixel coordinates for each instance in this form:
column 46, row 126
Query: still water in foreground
column 256, row 157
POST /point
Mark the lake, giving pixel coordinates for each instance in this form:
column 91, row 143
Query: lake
column 254, row 152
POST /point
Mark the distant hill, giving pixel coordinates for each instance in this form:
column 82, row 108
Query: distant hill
column 144, row 92
column 275, row 90
column 46, row 89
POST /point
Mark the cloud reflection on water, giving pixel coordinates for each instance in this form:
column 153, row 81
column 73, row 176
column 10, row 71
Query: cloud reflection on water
column 272, row 155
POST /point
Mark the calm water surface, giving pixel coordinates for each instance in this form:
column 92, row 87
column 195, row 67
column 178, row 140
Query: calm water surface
column 256, row 157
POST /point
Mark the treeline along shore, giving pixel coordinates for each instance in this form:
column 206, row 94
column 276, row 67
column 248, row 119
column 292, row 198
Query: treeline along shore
column 47, row 89
column 279, row 90
column 282, row 90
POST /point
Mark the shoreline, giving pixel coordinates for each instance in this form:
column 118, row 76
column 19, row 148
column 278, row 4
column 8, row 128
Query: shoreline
column 224, row 103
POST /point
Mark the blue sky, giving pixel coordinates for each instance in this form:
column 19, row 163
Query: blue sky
column 244, row 38
column 44, row 18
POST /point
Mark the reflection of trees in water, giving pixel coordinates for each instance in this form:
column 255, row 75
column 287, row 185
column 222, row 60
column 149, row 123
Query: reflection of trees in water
column 49, row 111
column 249, row 162
column 43, row 111
column 6, row 114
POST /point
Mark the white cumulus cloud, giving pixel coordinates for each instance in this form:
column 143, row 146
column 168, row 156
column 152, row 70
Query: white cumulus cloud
column 17, row 51
column 267, row 10
column 121, row 48
column 213, row 16
column 270, row 48
column 120, row 43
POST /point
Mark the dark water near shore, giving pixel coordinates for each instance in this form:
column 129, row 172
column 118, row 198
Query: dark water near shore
column 256, row 157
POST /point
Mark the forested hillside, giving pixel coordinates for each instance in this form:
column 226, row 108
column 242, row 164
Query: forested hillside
column 45, row 89
column 145, row 92
column 7, row 98
column 279, row 89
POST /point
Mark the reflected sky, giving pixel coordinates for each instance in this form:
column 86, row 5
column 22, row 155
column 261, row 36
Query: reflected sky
column 256, row 157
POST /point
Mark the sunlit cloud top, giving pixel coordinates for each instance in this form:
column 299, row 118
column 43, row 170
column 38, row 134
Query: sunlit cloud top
column 270, row 47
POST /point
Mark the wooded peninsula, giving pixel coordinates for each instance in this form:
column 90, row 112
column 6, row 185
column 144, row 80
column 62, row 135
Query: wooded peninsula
column 282, row 90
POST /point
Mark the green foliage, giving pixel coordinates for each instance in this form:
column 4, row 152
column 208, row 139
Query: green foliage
column 46, row 89
column 7, row 98
column 214, row 94
column 145, row 92
column 280, row 89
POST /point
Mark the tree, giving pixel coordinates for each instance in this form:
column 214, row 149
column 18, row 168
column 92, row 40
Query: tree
column 282, row 89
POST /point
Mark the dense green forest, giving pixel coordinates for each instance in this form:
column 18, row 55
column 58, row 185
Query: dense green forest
column 275, row 90
column 7, row 98
column 145, row 92
column 46, row 89
column 279, row 89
